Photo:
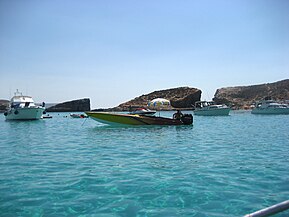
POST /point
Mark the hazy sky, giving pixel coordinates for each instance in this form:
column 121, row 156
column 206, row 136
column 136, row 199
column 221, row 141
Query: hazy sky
column 112, row 51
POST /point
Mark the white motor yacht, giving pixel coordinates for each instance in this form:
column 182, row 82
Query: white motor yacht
column 270, row 107
column 23, row 108
column 209, row 108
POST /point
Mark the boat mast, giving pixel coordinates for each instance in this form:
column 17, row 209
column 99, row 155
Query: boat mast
column 17, row 93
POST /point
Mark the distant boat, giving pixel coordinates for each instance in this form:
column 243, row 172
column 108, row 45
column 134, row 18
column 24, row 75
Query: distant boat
column 78, row 115
column 46, row 116
column 209, row 108
column 128, row 119
column 270, row 107
column 23, row 108
column 142, row 111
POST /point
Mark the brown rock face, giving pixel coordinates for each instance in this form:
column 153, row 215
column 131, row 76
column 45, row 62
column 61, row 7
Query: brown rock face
column 244, row 96
column 4, row 104
column 79, row 105
column 182, row 97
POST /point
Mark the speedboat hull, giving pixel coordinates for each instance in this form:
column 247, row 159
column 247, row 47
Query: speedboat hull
column 24, row 113
column 212, row 112
column 127, row 119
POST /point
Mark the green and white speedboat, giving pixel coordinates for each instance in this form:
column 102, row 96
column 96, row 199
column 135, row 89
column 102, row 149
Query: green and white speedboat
column 134, row 119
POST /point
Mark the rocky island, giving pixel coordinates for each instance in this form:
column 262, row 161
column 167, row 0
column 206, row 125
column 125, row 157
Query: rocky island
column 79, row 105
column 242, row 97
column 4, row 104
column 239, row 97
column 181, row 97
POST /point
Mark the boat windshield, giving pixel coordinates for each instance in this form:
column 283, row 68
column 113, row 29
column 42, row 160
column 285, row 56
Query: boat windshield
column 216, row 106
column 210, row 103
column 202, row 104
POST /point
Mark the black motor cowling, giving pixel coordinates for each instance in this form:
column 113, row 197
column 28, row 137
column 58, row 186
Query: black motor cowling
column 187, row 119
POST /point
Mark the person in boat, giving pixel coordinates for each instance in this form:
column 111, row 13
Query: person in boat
column 178, row 115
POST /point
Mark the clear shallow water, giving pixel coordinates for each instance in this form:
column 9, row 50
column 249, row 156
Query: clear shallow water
column 220, row 166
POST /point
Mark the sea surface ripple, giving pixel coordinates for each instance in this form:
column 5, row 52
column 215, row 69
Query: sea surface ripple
column 220, row 166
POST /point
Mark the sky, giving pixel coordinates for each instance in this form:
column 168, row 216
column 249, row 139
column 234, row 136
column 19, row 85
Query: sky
column 113, row 51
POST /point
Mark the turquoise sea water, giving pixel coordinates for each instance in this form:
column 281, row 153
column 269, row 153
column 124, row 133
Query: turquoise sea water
column 220, row 166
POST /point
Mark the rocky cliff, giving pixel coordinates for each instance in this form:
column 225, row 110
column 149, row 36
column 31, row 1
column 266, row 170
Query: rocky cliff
column 182, row 97
column 79, row 105
column 4, row 104
column 244, row 96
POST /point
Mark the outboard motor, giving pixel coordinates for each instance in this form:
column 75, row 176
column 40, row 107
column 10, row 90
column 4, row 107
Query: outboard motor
column 187, row 119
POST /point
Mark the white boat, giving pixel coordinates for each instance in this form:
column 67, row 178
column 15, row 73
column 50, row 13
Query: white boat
column 209, row 108
column 23, row 108
column 78, row 115
column 270, row 107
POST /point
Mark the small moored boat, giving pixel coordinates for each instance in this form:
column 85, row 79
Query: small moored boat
column 46, row 116
column 210, row 109
column 128, row 119
column 23, row 108
column 78, row 115
column 270, row 107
